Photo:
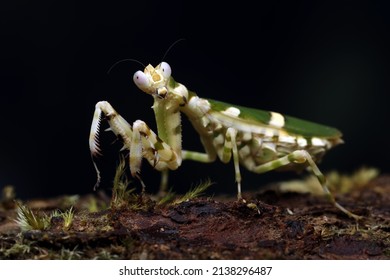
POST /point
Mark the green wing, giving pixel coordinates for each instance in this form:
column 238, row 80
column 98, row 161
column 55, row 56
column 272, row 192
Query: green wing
column 292, row 125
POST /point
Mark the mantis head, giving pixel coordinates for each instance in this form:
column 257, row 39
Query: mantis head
column 154, row 80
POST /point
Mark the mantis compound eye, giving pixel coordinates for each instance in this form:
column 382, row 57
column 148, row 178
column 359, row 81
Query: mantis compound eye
column 165, row 70
column 141, row 80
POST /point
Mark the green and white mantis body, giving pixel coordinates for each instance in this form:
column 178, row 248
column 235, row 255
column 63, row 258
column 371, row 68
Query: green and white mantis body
column 259, row 140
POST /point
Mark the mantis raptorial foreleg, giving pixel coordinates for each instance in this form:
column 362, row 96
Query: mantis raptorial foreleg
column 139, row 139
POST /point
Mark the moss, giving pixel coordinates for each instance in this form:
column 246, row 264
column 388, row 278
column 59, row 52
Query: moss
column 121, row 194
column 194, row 192
column 27, row 220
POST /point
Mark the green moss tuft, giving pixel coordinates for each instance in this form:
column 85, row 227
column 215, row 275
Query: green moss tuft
column 195, row 191
column 27, row 220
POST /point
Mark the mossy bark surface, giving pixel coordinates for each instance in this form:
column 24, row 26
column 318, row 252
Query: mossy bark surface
column 267, row 226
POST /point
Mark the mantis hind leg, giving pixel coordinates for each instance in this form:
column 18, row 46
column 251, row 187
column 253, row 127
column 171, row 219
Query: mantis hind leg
column 303, row 157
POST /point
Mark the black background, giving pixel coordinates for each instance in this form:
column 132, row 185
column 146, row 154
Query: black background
column 321, row 61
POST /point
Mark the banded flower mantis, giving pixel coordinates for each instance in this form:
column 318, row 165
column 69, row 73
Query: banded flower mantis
column 260, row 141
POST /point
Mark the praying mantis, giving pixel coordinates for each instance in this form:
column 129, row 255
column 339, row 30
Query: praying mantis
column 258, row 140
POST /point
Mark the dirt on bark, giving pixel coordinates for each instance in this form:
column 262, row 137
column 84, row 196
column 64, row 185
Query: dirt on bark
column 269, row 225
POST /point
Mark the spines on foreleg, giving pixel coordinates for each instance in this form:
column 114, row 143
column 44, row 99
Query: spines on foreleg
column 94, row 145
column 117, row 124
column 140, row 140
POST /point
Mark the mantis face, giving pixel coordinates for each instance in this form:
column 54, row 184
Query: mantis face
column 158, row 82
column 154, row 80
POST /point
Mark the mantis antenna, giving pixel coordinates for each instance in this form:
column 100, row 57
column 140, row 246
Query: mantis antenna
column 143, row 65
column 170, row 47
column 123, row 60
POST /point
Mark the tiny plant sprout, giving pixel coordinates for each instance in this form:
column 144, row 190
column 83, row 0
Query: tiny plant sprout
column 68, row 218
column 27, row 220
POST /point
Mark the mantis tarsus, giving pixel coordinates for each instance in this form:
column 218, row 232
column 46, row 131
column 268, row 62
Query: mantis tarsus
column 259, row 140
